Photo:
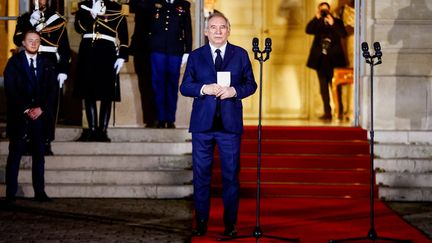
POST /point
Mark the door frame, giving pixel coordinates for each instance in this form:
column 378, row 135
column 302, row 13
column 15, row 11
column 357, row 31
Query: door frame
column 359, row 33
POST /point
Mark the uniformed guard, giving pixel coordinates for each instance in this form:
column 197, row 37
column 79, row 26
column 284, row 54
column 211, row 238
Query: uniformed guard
column 170, row 45
column 54, row 45
column 102, row 52
column 139, row 49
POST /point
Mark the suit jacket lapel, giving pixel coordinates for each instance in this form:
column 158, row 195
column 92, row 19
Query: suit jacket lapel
column 229, row 53
column 208, row 56
column 38, row 67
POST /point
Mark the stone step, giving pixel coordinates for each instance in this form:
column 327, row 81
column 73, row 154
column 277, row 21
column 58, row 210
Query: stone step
column 412, row 151
column 129, row 134
column 410, row 194
column 110, row 191
column 115, row 148
column 401, row 179
column 111, row 162
column 404, row 165
column 114, row 177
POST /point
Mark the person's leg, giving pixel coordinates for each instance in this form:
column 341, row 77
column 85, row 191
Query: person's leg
column 340, row 101
column 325, row 94
column 91, row 114
column 16, row 150
column 202, row 159
column 159, row 69
column 38, row 159
column 104, row 118
column 143, row 70
column 229, row 150
column 174, row 65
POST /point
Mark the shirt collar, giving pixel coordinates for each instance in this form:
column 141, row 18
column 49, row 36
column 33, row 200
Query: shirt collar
column 28, row 56
column 222, row 48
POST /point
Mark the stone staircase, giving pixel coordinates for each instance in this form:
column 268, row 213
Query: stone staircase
column 138, row 163
column 403, row 161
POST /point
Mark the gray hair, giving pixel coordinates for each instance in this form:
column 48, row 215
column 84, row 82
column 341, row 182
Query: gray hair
column 218, row 14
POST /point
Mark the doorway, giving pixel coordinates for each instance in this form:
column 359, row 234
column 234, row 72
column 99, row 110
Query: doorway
column 290, row 89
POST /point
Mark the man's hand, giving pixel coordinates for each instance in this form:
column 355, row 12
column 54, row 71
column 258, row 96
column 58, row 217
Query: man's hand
column 35, row 17
column 211, row 89
column 329, row 19
column 34, row 113
column 118, row 64
column 61, row 77
column 184, row 59
column 226, row 92
column 98, row 8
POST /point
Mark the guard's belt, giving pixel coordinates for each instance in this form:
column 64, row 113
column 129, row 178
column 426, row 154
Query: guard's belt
column 52, row 49
column 97, row 36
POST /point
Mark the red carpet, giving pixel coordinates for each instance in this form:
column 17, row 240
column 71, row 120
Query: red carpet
column 312, row 220
column 314, row 186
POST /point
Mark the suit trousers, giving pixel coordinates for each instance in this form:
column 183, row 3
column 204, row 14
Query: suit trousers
column 17, row 147
column 143, row 70
column 325, row 76
column 203, row 145
column 165, row 82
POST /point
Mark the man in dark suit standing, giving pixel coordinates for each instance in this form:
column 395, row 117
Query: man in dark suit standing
column 218, row 76
column 30, row 84
column 170, row 45
column 326, row 52
column 54, row 45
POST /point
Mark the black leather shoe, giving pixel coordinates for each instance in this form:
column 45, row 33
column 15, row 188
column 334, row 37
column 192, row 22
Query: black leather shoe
column 160, row 125
column 9, row 199
column 42, row 197
column 201, row 229
column 230, row 230
column 325, row 117
column 48, row 150
column 151, row 125
column 170, row 125
column 102, row 136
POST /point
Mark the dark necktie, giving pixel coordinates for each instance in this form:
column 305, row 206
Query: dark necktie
column 217, row 123
column 32, row 70
column 218, row 60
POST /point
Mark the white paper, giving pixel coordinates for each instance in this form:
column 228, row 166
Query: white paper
column 224, row 79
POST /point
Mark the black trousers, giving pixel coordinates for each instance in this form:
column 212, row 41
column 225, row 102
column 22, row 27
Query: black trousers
column 142, row 66
column 325, row 76
column 17, row 147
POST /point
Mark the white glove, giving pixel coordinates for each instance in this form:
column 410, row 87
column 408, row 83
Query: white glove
column 98, row 8
column 35, row 17
column 40, row 26
column 118, row 64
column 61, row 77
column 184, row 59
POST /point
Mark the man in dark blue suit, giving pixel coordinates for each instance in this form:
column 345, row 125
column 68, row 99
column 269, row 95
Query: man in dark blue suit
column 218, row 76
column 30, row 84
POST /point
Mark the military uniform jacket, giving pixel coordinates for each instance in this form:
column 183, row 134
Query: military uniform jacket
column 22, row 92
column 140, row 39
column 53, row 35
column 170, row 28
column 104, row 40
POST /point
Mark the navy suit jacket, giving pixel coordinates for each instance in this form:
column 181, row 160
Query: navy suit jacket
column 200, row 70
column 23, row 93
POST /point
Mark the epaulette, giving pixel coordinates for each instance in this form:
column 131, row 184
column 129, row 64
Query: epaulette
column 125, row 9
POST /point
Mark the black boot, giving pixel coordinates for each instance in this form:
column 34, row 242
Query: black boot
column 89, row 135
column 105, row 113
